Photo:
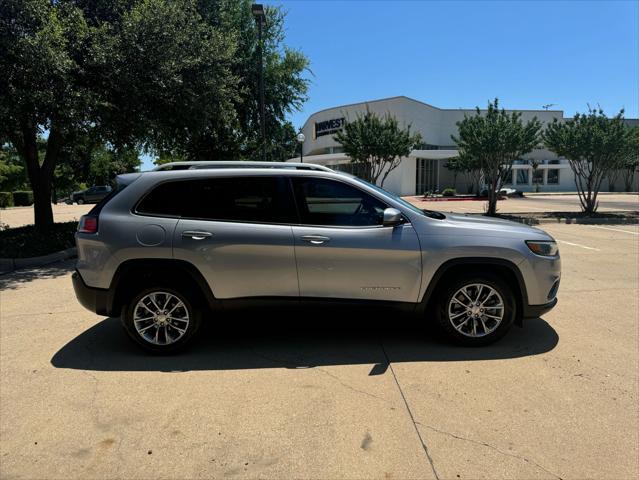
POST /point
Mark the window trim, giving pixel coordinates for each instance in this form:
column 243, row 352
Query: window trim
column 134, row 209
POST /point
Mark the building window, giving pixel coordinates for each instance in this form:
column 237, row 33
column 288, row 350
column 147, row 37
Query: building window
column 522, row 177
column 356, row 169
column 553, row 176
column 426, row 178
column 507, row 179
column 538, row 177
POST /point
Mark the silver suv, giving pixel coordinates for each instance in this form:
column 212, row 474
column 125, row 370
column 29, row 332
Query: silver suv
column 166, row 248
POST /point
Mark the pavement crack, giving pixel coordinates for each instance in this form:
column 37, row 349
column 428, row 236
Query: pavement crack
column 410, row 413
column 488, row 445
column 296, row 365
column 350, row 387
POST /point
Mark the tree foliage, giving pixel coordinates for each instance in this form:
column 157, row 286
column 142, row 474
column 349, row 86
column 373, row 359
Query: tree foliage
column 377, row 144
column 493, row 140
column 469, row 166
column 172, row 76
column 594, row 145
column 629, row 161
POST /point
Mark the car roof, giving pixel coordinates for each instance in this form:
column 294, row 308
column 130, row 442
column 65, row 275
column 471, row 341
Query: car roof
column 196, row 165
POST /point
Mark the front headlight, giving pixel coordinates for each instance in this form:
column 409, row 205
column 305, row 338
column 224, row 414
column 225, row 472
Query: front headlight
column 543, row 248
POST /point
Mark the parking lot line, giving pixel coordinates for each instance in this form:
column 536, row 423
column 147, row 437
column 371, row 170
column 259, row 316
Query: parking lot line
column 578, row 245
column 615, row 229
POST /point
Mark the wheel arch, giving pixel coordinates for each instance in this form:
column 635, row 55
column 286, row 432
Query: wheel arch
column 457, row 266
column 180, row 273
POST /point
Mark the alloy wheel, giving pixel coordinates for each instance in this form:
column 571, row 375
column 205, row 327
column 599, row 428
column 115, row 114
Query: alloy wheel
column 161, row 318
column 476, row 310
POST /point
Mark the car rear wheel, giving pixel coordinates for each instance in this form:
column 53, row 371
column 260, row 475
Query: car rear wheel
column 160, row 319
column 476, row 310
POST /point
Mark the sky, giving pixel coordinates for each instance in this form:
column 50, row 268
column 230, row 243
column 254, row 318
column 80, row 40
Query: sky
column 461, row 54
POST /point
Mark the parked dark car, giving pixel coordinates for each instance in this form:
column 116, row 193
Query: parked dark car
column 91, row 195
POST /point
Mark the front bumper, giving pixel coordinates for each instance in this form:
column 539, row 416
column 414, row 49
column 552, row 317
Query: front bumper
column 536, row 311
column 96, row 300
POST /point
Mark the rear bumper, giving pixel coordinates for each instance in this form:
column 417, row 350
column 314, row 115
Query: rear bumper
column 96, row 300
column 536, row 311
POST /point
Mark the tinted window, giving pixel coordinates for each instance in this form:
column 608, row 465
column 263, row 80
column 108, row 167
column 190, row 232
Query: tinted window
column 328, row 202
column 248, row 199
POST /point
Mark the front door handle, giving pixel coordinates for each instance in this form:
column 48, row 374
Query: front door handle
column 315, row 239
column 196, row 234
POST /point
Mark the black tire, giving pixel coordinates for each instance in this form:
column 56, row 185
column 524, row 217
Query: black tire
column 445, row 298
column 194, row 321
column 80, row 201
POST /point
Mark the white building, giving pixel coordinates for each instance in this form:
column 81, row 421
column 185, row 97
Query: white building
column 425, row 169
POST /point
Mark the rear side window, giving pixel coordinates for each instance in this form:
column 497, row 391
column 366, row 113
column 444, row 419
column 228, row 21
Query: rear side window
column 238, row 199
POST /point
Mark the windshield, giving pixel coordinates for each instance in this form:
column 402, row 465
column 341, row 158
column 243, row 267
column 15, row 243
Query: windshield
column 397, row 198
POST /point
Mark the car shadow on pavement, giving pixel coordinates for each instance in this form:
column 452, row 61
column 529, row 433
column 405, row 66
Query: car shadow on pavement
column 12, row 280
column 294, row 340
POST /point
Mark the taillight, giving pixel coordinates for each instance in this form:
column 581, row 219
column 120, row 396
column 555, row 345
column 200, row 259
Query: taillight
column 88, row 224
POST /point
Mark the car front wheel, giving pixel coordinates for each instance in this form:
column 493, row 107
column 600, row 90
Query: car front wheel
column 80, row 201
column 476, row 310
column 160, row 319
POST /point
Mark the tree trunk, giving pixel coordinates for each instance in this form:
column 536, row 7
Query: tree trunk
column 492, row 195
column 40, row 175
column 628, row 178
column 43, row 214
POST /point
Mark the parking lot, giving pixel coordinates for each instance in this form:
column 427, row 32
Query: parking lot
column 16, row 217
column 329, row 395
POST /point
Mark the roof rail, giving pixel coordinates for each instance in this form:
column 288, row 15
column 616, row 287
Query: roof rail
column 196, row 165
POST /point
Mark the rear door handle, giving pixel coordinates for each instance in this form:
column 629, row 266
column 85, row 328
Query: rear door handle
column 196, row 234
column 315, row 239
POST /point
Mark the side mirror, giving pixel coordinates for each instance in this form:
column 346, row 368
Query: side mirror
column 392, row 217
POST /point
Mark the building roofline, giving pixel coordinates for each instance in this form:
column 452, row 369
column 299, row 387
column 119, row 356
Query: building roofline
column 377, row 100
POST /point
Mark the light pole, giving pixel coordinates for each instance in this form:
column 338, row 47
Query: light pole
column 260, row 18
column 300, row 140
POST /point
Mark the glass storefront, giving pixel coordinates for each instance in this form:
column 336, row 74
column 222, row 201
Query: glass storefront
column 426, row 179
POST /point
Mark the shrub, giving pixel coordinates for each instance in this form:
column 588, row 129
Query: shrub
column 6, row 199
column 23, row 198
column 449, row 192
column 27, row 241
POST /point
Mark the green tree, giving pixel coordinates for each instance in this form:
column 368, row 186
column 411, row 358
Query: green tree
column 495, row 139
column 377, row 144
column 174, row 76
column 629, row 163
column 469, row 166
column 594, row 145
column 12, row 174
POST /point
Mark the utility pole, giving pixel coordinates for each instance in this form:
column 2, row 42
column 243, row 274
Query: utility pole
column 260, row 18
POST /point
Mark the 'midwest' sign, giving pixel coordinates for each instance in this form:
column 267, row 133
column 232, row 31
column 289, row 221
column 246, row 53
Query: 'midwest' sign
column 328, row 127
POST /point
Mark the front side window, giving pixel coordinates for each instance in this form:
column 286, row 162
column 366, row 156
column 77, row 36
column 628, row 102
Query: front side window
column 237, row 199
column 328, row 202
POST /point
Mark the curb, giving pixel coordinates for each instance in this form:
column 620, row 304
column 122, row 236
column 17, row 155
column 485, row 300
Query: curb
column 10, row 264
